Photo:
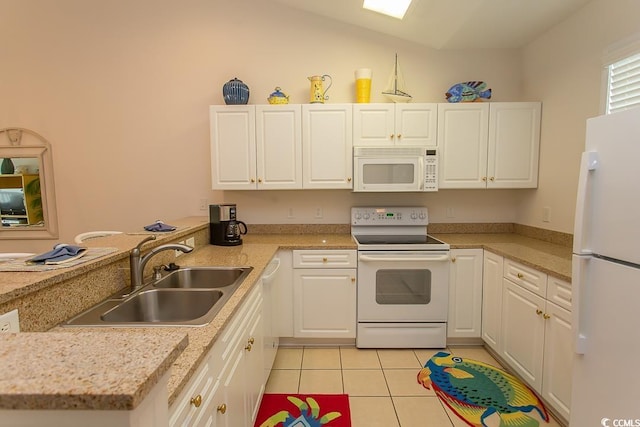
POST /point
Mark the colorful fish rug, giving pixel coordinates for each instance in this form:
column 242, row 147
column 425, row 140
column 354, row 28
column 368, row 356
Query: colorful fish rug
column 480, row 394
column 304, row 410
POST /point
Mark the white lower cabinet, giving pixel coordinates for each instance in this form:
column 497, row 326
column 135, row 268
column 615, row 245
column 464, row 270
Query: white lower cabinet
column 492, row 299
column 465, row 294
column 324, row 293
column 534, row 337
column 228, row 386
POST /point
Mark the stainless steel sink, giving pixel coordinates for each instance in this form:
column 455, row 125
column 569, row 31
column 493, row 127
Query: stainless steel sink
column 164, row 305
column 185, row 297
column 203, row 277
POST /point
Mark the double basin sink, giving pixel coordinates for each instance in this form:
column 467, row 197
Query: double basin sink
column 189, row 296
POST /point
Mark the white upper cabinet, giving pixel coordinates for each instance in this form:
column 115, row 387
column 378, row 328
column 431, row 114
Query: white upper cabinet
column 233, row 147
column 514, row 144
column 489, row 145
column 394, row 124
column 256, row 147
column 279, row 147
column 327, row 146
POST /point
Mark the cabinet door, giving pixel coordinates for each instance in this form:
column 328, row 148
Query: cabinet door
column 514, row 143
column 465, row 294
column 373, row 125
column 254, row 364
column 283, row 296
column 324, row 303
column 327, row 146
column 416, row 124
column 234, row 386
column 462, row 142
column 233, row 147
column 279, row 147
column 492, row 299
column 558, row 359
column 523, row 332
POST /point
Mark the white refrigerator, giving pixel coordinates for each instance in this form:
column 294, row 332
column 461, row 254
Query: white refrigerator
column 606, row 275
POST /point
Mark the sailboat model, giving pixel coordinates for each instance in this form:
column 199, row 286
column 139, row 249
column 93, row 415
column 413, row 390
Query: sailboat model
column 395, row 88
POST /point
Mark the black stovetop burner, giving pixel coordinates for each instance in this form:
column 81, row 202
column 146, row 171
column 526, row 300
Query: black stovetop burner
column 385, row 239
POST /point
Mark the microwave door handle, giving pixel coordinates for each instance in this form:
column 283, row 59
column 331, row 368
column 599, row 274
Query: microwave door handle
column 403, row 258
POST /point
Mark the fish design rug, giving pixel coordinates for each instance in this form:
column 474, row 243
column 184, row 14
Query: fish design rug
column 479, row 393
column 304, row 410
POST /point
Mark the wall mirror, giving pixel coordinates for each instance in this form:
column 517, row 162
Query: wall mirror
column 27, row 193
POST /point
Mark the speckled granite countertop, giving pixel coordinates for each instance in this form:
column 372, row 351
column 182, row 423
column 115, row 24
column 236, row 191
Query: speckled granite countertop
column 546, row 257
column 37, row 391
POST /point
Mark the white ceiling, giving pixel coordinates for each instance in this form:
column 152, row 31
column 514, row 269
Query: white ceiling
column 453, row 24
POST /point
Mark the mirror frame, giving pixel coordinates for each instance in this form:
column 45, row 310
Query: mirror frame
column 33, row 146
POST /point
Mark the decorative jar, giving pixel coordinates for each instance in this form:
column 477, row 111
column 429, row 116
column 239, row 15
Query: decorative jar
column 235, row 92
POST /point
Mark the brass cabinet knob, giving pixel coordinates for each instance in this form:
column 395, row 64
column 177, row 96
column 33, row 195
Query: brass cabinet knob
column 353, row 280
column 222, row 408
column 259, row 179
column 348, row 179
column 253, row 180
column 493, row 178
column 248, row 347
column 196, row 401
column 251, row 340
column 520, row 275
column 484, row 178
column 391, row 136
column 399, row 135
column 453, row 259
column 324, row 259
column 546, row 316
column 538, row 312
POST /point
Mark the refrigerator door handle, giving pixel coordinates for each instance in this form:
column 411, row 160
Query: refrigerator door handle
column 588, row 163
column 579, row 302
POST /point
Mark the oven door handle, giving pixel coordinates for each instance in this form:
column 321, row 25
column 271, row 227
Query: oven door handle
column 393, row 258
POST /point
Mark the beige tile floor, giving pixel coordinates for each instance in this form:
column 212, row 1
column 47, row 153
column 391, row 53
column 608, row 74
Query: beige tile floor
column 381, row 384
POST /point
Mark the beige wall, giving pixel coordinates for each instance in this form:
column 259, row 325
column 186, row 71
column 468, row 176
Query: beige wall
column 563, row 68
column 121, row 89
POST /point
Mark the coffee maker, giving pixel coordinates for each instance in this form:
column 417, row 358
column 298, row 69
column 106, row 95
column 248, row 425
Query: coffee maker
column 224, row 229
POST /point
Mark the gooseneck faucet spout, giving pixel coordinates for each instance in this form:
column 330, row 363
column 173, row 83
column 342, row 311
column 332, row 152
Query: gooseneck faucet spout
column 138, row 263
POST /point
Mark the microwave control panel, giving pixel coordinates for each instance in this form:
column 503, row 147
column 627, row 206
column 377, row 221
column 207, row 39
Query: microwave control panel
column 431, row 170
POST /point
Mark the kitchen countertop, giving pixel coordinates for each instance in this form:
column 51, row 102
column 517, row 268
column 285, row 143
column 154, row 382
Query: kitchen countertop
column 39, row 392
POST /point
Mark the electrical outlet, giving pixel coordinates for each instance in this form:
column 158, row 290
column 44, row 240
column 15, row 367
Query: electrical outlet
column 290, row 213
column 450, row 213
column 318, row 213
column 10, row 322
column 546, row 214
column 204, row 204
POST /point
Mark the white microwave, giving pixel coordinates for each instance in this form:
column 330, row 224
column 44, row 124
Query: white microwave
column 392, row 169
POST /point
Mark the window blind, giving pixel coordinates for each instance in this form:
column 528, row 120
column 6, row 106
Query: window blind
column 623, row 89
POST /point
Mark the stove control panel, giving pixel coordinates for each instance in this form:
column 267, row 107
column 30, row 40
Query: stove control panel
column 390, row 216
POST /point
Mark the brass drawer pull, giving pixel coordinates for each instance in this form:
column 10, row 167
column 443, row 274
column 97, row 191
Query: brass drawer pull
column 546, row 316
column 538, row 312
column 196, row 401
column 248, row 347
column 251, row 340
column 222, row 408
column 520, row 275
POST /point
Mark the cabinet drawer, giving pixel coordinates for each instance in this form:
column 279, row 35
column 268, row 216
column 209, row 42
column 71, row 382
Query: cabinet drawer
column 325, row 259
column 559, row 292
column 528, row 278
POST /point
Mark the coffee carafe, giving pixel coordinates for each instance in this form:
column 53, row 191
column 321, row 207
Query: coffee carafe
column 224, row 228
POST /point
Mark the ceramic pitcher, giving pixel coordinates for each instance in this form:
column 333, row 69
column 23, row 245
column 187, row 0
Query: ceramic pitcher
column 318, row 93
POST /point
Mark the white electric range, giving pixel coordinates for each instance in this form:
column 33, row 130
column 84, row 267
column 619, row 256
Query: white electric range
column 403, row 279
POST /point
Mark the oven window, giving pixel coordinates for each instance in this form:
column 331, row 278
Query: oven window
column 403, row 287
column 389, row 173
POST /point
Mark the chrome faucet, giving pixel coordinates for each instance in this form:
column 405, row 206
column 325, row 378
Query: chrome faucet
column 138, row 263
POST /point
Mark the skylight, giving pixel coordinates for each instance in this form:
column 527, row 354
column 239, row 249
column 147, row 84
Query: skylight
column 395, row 8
